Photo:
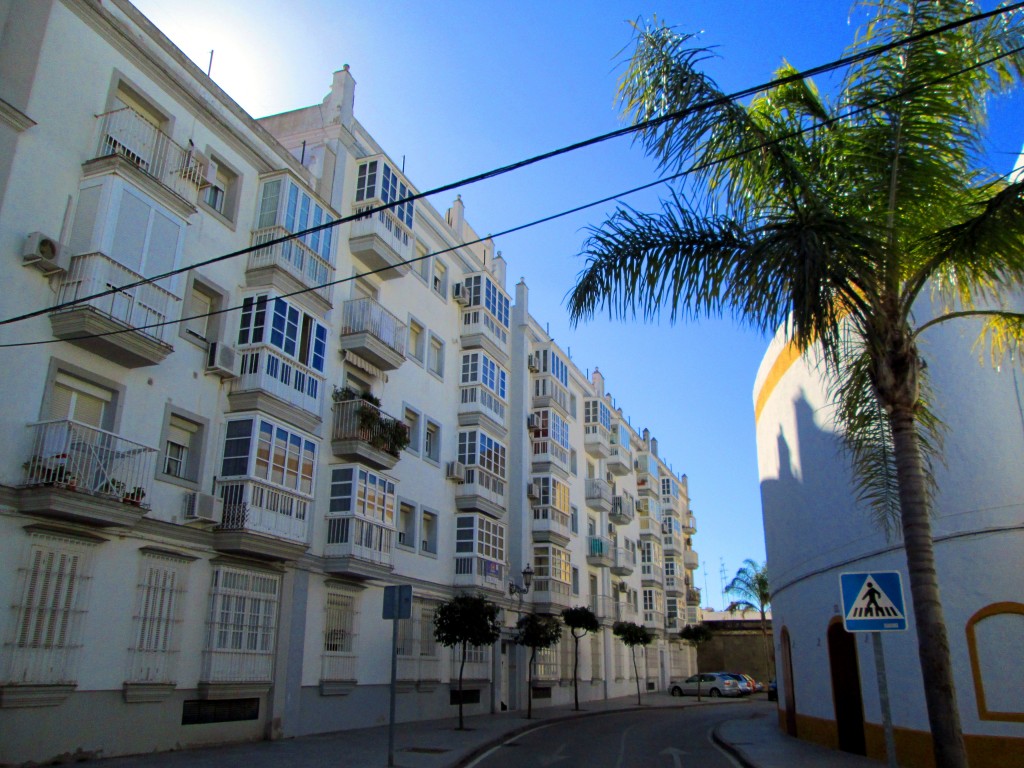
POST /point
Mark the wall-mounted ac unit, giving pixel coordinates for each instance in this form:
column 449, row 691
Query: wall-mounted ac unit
column 220, row 360
column 533, row 363
column 202, row 506
column 44, row 253
column 460, row 294
column 533, row 422
column 533, row 489
column 456, row 470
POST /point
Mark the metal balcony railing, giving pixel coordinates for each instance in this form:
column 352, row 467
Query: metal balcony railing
column 338, row 666
column 623, row 509
column 599, row 546
column 478, row 663
column 367, row 316
column 476, row 571
column 361, row 420
column 126, row 133
column 598, row 490
column 625, row 558
column 138, row 307
column 603, row 606
column 84, row 458
column 294, row 257
column 222, row 666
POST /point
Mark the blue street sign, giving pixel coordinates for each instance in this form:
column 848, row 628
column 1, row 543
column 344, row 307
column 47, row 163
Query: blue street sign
column 398, row 602
column 873, row 602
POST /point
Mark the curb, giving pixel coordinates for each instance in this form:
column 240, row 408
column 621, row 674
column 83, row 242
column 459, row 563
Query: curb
column 733, row 750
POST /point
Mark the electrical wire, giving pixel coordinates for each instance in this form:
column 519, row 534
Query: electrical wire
column 543, row 220
column 700, row 106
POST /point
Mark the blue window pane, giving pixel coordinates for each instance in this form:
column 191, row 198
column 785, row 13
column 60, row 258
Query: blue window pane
column 293, row 198
column 319, row 348
column 279, row 322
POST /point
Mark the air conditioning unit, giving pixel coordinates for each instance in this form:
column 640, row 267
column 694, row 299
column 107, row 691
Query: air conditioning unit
column 533, row 422
column 202, row 506
column 533, row 489
column 220, row 360
column 460, row 294
column 456, row 470
column 44, row 253
column 533, row 363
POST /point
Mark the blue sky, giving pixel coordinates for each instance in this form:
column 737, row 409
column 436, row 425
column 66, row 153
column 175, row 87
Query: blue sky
column 457, row 87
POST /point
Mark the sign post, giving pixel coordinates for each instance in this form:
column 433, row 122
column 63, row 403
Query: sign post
column 873, row 602
column 397, row 605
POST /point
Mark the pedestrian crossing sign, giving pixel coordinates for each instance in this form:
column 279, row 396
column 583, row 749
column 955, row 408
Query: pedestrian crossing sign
column 873, row 602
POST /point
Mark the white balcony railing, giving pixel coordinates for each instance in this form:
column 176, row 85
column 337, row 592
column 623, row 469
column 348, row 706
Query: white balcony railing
column 418, row 668
column 361, row 420
column 236, row 667
column 480, row 321
column 265, row 368
column 475, row 571
column 367, row 316
column 338, row 666
column 126, row 133
column 478, row 664
column 625, row 612
column 625, row 558
column 259, row 507
column 549, row 519
column 482, row 483
column 368, row 540
column 623, row 510
column 478, row 399
column 138, row 307
column 603, row 606
column 385, row 225
column 88, row 459
column 600, row 547
column 152, row 666
column 294, row 257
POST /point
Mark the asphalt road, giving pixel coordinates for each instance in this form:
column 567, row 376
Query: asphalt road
column 656, row 738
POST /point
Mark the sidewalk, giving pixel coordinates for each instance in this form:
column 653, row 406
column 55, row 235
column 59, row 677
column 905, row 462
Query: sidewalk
column 756, row 742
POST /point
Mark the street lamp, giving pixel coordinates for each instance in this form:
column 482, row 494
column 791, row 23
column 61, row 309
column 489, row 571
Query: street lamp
column 516, row 590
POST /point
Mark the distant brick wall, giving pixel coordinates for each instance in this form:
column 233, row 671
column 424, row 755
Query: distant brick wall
column 737, row 646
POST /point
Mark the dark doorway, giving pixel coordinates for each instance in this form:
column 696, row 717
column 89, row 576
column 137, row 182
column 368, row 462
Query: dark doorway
column 846, row 696
column 787, row 683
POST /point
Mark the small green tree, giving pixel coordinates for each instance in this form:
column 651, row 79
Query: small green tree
column 696, row 635
column 582, row 620
column 633, row 635
column 463, row 621
column 751, row 585
column 535, row 631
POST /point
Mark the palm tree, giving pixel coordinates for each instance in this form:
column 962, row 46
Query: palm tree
column 751, row 585
column 834, row 219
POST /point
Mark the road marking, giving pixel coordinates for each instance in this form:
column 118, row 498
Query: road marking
column 677, row 759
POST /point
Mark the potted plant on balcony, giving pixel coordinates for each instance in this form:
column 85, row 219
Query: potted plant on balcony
column 135, row 496
column 112, row 488
column 398, row 435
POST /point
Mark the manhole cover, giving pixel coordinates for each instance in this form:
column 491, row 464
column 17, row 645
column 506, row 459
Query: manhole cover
column 427, row 750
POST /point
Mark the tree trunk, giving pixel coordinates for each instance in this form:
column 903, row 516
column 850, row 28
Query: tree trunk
column 529, row 689
column 932, row 641
column 636, row 674
column 576, row 672
column 462, row 666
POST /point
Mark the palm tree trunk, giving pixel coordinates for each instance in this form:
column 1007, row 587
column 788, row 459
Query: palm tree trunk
column 767, row 647
column 932, row 641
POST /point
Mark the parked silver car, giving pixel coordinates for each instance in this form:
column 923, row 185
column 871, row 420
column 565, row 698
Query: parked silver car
column 711, row 684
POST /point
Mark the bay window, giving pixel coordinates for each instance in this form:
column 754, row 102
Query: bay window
column 260, row 448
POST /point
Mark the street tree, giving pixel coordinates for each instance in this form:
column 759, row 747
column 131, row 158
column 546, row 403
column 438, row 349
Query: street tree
column 582, row 620
column 696, row 635
column 750, row 585
column 633, row 635
column 536, row 631
column 855, row 224
column 463, row 621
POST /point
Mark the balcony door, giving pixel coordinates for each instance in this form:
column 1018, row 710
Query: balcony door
column 76, row 437
column 78, row 400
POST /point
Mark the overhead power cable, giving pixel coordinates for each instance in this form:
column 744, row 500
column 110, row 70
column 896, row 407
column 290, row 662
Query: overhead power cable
column 707, row 104
column 664, row 180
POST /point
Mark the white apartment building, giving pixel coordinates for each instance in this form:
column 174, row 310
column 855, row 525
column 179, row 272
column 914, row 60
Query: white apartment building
column 211, row 476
